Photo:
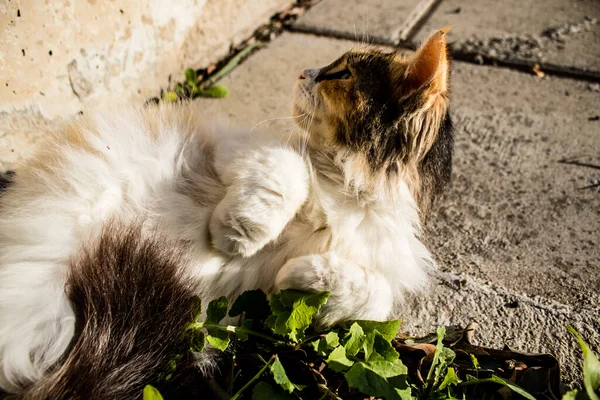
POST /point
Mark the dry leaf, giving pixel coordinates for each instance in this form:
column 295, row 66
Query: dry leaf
column 538, row 71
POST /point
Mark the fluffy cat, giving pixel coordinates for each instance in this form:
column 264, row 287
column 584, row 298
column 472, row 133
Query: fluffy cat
column 106, row 235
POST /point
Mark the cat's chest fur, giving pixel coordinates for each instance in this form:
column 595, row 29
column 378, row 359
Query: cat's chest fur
column 369, row 228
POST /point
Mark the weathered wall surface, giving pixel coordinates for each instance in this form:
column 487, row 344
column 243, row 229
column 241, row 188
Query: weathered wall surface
column 58, row 55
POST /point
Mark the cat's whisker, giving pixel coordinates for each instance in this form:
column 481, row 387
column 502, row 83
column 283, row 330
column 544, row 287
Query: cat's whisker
column 307, row 136
column 309, row 115
column 269, row 120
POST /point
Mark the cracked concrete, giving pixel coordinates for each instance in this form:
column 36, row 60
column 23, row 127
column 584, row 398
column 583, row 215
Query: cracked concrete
column 560, row 34
column 362, row 21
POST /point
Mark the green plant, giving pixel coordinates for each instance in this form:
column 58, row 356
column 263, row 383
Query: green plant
column 193, row 87
column 276, row 353
column 591, row 373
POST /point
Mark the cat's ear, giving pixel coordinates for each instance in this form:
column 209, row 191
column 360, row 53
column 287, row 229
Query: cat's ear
column 429, row 67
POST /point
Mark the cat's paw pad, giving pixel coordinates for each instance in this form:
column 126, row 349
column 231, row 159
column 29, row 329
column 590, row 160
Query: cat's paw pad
column 235, row 235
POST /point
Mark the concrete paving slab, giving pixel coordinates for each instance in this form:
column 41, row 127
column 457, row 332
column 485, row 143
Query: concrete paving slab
column 515, row 223
column 516, row 215
column 20, row 133
column 557, row 34
column 371, row 21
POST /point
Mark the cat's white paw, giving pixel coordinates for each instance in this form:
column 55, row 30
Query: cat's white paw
column 355, row 293
column 234, row 232
column 265, row 191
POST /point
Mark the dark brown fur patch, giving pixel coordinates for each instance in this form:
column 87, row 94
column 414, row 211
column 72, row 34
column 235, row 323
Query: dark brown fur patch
column 436, row 168
column 131, row 304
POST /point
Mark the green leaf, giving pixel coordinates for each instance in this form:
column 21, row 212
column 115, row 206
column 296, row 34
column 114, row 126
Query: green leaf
column 575, row 395
column 387, row 329
column 179, row 88
column 321, row 347
column 217, row 310
column 217, row 338
column 170, row 97
column 195, row 91
column 196, row 309
column 367, row 381
column 280, row 375
column 471, row 380
column 384, row 348
column 591, row 367
column 338, row 361
column 442, row 358
column 475, row 361
column 191, row 77
column 293, row 311
column 354, row 339
column 449, row 379
column 385, row 368
column 217, row 91
column 196, row 340
column 445, row 360
column 324, row 346
column 252, row 302
column 369, row 343
column 332, row 339
column 264, row 391
column 151, row 393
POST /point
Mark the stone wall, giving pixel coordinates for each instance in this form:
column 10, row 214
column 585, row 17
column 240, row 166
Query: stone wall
column 58, row 55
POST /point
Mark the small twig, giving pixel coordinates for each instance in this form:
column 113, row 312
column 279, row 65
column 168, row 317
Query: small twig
column 230, row 66
column 254, row 379
column 327, row 392
column 236, row 329
column 592, row 186
column 579, row 164
column 318, row 373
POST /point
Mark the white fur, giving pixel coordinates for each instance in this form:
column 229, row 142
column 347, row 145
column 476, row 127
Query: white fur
column 276, row 219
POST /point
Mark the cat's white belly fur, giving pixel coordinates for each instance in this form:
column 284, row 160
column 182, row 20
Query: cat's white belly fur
column 336, row 242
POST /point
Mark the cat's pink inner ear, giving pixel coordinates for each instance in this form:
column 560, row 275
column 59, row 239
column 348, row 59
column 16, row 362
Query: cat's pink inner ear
column 429, row 66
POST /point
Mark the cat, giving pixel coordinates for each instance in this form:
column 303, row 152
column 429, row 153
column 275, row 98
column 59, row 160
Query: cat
column 111, row 230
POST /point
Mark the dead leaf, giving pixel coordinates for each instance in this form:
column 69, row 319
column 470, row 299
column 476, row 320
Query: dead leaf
column 538, row 71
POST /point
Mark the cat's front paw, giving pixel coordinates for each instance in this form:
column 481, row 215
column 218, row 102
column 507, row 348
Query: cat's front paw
column 355, row 293
column 234, row 233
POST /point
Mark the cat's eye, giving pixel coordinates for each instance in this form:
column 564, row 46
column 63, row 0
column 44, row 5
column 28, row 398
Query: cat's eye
column 339, row 75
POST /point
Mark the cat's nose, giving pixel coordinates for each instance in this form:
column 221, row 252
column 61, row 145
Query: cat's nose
column 308, row 73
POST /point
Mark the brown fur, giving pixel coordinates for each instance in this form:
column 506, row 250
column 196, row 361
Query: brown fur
column 131, row 302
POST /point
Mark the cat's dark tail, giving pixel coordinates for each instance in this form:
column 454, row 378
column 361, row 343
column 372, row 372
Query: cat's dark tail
column 132, row 303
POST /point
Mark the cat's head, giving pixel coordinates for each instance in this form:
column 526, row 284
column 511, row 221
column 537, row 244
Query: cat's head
column 385, row 109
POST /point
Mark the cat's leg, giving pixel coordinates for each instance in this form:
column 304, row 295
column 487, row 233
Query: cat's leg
column 266, row 187
column 356, row 292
